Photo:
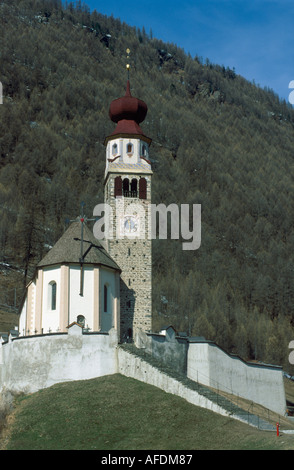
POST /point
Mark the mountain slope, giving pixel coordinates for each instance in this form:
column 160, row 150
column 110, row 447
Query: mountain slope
column 218, row 141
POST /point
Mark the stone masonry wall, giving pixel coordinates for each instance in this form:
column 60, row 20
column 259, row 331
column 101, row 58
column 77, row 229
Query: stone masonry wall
column 134, row 256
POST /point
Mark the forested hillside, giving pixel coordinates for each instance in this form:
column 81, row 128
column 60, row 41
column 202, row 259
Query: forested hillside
column 217, row 140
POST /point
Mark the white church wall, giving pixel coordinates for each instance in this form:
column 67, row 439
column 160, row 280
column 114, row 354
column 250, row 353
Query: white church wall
column 81, row 305
column 108, row 279
column 22, row 319
column 119, row 148
column 28, row 312
column 132, row 156
column 50, row 317
column 211, row 366
column 32, row 290
column 32, row 363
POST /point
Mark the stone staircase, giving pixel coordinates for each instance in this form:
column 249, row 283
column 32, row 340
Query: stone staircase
column 231, row 408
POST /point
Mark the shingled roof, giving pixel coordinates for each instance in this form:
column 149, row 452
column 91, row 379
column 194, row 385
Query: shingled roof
column 68, row 249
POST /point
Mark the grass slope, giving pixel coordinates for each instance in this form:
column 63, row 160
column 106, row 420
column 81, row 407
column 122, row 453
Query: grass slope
column 119, row 413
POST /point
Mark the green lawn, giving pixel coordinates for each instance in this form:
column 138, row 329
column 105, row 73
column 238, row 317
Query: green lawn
column 118, row 413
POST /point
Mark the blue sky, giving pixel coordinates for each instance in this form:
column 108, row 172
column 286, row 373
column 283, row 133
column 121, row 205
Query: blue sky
column 254, row 36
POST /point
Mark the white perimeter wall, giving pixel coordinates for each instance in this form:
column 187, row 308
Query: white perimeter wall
column 209, row 365
column 32, row 363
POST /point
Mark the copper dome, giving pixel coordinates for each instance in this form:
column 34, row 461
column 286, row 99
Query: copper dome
column 128, row 107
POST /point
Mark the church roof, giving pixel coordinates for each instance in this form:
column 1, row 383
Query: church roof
column 68, row 249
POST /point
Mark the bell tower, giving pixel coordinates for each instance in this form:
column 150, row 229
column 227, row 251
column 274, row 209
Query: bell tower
column 128, row 192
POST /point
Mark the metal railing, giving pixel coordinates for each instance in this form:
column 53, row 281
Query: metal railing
column 253, row 413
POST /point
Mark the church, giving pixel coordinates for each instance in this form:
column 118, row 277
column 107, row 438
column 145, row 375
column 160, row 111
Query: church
column 102, row 284
column 90, row 295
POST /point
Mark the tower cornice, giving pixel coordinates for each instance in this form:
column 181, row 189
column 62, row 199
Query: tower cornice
column 127, row 136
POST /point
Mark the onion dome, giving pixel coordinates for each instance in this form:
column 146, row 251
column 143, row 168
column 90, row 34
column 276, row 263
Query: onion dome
column 128, row 112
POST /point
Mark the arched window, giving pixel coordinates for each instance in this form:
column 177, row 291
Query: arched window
column 129, row 148
column 81, row 320
column 105, row 298
column 130, row 189
column 134, row 185
column 126, row 187
column 114, row 149
column 142, row 188
column 52, row 291
column 144, row 150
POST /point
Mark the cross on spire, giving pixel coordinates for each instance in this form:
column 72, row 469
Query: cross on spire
column 128, row 65
column 82, row 219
